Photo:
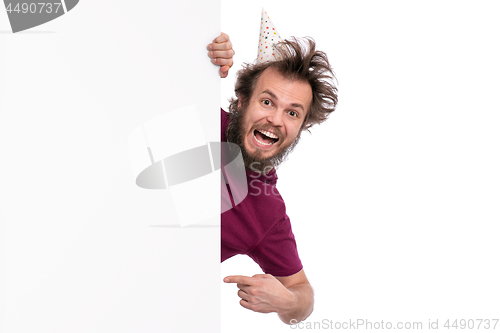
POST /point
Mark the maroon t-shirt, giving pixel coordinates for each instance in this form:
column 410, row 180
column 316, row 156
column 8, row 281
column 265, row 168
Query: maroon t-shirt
column 258, row 226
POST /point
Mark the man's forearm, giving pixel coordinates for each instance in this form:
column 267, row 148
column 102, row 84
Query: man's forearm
column 302, row 306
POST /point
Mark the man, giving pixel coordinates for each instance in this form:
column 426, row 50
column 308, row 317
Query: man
column 275, row 102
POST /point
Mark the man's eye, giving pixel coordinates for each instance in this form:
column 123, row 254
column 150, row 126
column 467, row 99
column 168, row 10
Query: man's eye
column 266, row 102
column 293, row 114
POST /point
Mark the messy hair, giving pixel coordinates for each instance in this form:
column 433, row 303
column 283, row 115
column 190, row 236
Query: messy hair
column 294, row 61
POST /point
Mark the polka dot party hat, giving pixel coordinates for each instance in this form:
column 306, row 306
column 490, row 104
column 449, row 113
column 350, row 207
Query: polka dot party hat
column 269, row 36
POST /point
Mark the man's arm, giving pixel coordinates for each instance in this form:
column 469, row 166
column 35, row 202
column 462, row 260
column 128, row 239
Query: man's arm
column 291, row 297
column 304, row 297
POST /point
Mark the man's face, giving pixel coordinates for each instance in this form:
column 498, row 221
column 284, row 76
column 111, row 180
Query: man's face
column 275, row 114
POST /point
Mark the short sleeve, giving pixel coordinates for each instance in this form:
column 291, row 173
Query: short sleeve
column 277, row 253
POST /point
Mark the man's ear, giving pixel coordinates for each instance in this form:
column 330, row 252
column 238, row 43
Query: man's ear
column 241, row 101
column 305, row 123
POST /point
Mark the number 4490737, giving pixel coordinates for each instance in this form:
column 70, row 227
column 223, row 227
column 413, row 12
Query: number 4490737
column 40, row 7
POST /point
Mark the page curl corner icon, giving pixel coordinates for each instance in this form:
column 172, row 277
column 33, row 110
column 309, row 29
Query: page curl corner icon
column 26, row 14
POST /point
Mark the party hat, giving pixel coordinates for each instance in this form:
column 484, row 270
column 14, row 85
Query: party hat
column 268, row 38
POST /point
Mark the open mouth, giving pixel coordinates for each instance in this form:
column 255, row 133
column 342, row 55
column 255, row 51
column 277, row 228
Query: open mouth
column 265, row 138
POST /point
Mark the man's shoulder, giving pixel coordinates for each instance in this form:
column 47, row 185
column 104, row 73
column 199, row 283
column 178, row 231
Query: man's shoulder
column 224, row 117
column 224, row 122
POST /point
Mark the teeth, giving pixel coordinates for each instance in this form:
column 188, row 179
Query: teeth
column 262, row 143
column 269, row 134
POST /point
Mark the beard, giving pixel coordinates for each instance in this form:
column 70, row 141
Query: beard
column 255, row 161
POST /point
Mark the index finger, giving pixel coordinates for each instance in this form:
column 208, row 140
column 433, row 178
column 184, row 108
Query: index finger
column 239, row 279
column 222, row 38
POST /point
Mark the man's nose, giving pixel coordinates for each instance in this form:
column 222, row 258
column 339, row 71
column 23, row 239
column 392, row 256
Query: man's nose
column 276, row 117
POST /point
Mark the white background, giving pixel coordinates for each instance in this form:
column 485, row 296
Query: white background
column 394, row 200
column 81, row 252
